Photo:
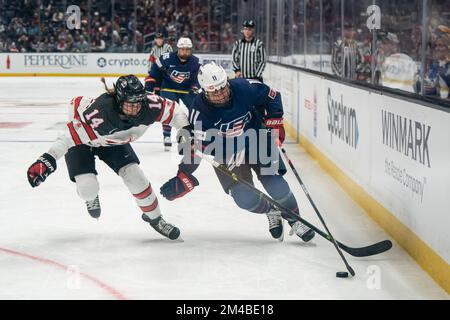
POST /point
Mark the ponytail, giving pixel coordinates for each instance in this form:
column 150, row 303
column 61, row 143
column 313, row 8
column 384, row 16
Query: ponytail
column 111, row 91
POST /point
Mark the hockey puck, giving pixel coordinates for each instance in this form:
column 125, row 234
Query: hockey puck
column 342, row 274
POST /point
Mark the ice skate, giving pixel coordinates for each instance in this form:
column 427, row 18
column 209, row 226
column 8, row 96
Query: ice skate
column 275, row 224
column 93, row 207
column 302, row 231
column 161, row 226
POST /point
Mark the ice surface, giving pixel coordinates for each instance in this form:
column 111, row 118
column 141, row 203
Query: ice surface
column 60, row 252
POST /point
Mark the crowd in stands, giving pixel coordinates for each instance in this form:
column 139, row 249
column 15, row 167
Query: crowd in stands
column 395, row 50
column 129, row 26
column 111, row 26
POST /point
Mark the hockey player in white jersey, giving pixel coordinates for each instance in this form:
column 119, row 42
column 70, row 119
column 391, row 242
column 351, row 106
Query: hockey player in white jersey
column 104, row 127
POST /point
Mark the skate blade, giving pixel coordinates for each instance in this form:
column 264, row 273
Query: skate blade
column 179, row 239
column 281, row 239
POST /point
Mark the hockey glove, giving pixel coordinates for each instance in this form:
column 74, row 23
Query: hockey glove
column 276, row 126
column 180, row 185
column 41, row 169
column 150, row 85
column 195, row 90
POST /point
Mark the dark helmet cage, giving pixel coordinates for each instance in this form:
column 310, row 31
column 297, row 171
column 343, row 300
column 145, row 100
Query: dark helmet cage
column 130, row 89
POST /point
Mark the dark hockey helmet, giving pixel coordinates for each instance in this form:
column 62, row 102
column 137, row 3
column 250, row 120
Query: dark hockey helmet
column 249, row 24
column 130, row 89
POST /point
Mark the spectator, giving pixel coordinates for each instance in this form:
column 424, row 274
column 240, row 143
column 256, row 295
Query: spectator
column 437, row 75
column 43, row 22
column 394, row 69
column 13, row 47
column 126, row 45
column 62, row 45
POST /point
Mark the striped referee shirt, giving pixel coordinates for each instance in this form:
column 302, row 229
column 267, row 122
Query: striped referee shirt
column 249, row 57
column 345, row 59
column 157, row 52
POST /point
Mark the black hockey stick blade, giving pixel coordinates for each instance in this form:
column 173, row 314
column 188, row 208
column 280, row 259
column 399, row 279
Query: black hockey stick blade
column 368, row 251
column 361, row 252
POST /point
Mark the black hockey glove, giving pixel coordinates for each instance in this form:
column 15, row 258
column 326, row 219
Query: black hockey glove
column 180, row 185
column 41, row 169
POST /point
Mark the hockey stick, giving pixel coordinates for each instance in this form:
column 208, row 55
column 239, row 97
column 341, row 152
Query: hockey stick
column 387, row 244
column 371, row 250
column 316, row 210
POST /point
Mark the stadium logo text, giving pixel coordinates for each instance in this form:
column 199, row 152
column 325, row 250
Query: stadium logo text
column 66, row 61
column 101, row 62
column 406, row 136
column 342, row 121
column 121, row 63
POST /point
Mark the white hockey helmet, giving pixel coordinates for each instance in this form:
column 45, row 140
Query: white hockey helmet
column 212, row 77
column 184, row 43
column 213, row 80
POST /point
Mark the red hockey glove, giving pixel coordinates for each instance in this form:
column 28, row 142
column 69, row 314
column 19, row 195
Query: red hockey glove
column 277, row 127
column 41, row 169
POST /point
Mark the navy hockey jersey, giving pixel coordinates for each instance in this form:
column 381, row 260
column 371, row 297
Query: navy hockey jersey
column 168, row 72
column 233, row 121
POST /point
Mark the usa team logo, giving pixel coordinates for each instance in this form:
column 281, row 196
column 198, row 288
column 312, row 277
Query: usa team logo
column 179, row 76
column 236, row 127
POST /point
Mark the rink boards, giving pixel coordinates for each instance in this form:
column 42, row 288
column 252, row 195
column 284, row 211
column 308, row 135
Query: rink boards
column 86, row 64
column 391, row 156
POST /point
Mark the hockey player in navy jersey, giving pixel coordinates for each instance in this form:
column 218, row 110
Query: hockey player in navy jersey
column 231, row 110
column 174, row 76
column 104, row 127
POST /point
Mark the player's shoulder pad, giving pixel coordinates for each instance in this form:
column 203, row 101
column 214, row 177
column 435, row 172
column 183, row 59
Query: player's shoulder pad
column 239, row 81
column 263, row 89
column 244, row 84
column 198, row 104
column 104, row 102
column 78, row 105
column 164, row 60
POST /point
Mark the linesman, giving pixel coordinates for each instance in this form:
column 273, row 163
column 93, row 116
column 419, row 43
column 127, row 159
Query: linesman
column 249, row 54
column 160, row 48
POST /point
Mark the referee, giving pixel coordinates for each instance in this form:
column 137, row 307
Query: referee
column 249, row 54
column 346, row 58
column 158, row 49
